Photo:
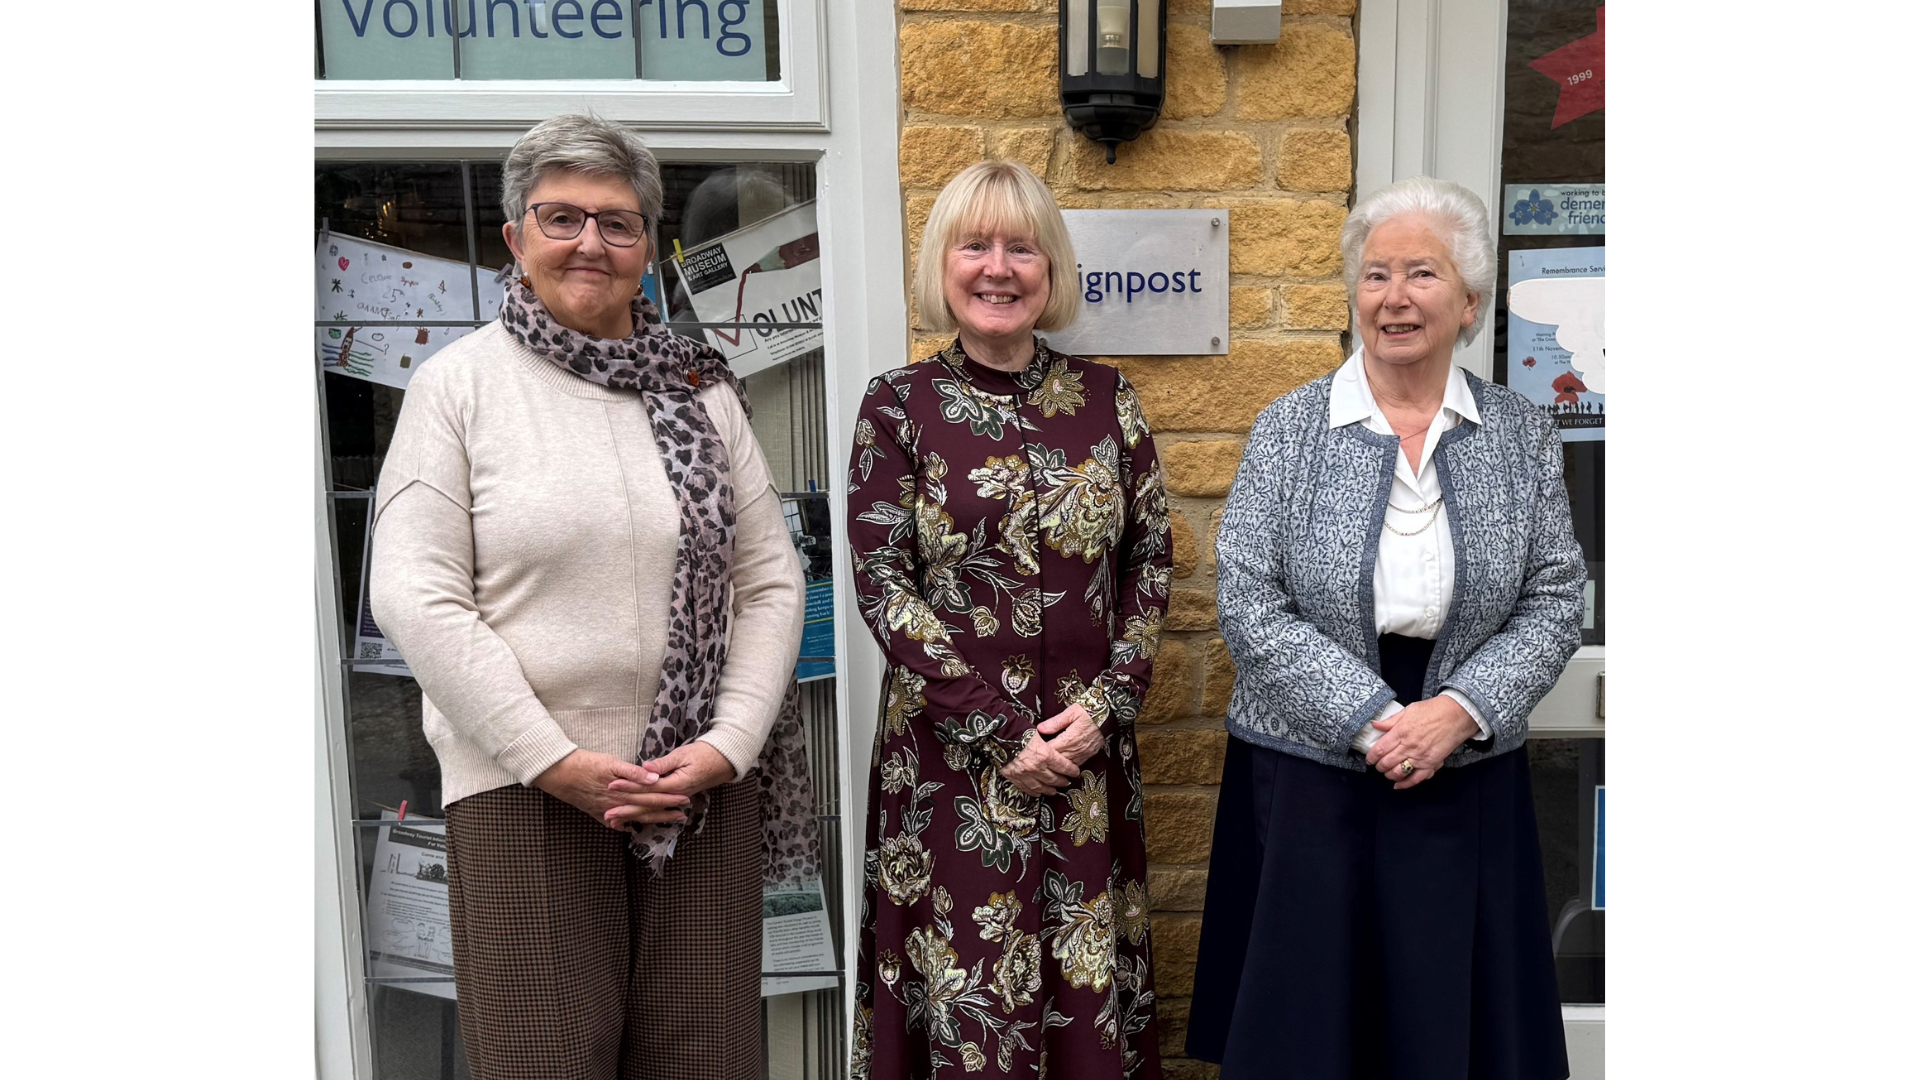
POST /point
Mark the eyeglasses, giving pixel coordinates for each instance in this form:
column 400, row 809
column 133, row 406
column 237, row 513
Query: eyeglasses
column 563, row 221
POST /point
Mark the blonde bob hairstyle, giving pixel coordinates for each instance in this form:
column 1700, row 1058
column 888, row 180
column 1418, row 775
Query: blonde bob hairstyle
column 988, row 198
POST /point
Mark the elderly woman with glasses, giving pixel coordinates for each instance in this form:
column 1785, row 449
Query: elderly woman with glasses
column 1399, row 585
column 1011, row 551
column 579, row 551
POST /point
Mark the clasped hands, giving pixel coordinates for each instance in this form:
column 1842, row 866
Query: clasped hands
column 1047, row 764
column 621, row 795
column 1425, row 733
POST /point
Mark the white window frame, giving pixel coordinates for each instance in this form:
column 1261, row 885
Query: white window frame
column 1431, row 93
column 377, row 109
column 864, row 310
column 1430, row 98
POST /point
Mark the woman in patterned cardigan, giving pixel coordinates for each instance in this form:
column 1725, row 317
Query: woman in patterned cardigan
column 1010, row 544
column 1399, row 585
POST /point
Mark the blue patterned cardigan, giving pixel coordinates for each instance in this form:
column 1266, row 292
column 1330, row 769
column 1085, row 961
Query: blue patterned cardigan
column 1296, row 553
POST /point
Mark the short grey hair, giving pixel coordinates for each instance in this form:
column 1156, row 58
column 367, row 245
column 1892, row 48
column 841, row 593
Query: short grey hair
column 1458, row 217
column 579, row 143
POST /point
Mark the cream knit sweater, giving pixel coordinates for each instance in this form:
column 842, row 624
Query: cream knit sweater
column 523, row 561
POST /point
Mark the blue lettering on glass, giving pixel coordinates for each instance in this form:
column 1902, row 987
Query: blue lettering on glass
column 607, row 19
column 511, row 10
column 360, row 24
column 742, row 43
column 732, row 14
column 616, row 15
column 413, row 18
column 1097, row 285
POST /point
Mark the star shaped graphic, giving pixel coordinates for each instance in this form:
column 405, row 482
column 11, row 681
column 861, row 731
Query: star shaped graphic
column 1580, row 67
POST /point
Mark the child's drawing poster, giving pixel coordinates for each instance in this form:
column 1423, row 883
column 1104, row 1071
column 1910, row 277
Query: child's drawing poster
column 375, row 289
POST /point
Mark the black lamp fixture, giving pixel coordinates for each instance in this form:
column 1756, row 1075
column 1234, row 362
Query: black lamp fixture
column 1113, row 63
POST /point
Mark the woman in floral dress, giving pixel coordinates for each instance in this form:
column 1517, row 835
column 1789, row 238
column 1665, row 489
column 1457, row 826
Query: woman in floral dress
column 1011, row 551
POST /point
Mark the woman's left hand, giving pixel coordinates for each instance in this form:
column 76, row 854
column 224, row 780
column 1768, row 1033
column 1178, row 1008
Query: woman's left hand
column 1072, row 732
column 691, row 769
column 1424, row 733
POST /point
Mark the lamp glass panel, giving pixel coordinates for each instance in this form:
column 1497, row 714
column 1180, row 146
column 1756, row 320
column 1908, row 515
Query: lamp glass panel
column 1149, row 39
column 1114, row 38
column 1076, row 37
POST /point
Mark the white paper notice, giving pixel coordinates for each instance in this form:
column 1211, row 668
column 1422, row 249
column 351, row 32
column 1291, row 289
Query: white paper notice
column 768, row 272
column 795, row 936
column 409, row 934
column 359, row 280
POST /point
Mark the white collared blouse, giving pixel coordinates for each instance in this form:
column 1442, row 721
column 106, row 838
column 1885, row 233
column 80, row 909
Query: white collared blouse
column 1413, row 575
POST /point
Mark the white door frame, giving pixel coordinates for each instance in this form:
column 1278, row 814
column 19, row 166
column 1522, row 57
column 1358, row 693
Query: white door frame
column 855, row 145
column 1430, row 100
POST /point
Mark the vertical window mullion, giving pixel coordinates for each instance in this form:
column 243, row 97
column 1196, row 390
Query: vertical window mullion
column 473, row 235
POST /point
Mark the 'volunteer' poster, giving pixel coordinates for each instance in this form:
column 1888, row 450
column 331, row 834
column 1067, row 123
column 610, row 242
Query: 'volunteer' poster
column 768, row 272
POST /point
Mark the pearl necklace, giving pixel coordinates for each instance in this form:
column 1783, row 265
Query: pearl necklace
column 1432, row 508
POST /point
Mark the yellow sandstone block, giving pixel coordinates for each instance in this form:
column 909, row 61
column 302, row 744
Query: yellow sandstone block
column 1196, row 74
column 1316, row 159
column 1224, row 393
column 1291, row 237
column 1203, row 468
column 931, row 154
column 1170, row 159
column 1309, row 73
column 984, row 70
column 1314, row 307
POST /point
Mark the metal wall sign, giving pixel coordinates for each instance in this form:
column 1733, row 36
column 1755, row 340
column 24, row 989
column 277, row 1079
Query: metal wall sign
column 1152, row 282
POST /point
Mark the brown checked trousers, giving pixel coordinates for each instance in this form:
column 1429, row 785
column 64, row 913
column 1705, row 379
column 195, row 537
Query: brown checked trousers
column 573, row 962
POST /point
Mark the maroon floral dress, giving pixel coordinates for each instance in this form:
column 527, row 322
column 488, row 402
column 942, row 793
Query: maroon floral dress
column 1011, row 554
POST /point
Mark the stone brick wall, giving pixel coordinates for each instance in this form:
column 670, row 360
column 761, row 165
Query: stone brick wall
column 1263, row 130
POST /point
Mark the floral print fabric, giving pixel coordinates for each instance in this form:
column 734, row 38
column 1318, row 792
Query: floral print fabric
column 1012, row 557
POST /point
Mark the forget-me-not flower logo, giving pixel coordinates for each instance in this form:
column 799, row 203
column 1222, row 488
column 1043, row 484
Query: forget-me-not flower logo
column 1534, row 210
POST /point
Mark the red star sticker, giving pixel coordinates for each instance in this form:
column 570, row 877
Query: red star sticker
column 1580, row 67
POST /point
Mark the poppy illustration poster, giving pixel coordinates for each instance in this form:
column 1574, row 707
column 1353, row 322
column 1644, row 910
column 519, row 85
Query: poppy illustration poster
column 768, row 272
column 1557, row 336
column 372, row 290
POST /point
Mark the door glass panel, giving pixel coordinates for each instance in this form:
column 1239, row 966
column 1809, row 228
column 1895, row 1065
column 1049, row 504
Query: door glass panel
column 1552, row 223
column 407, row 259
column 1567, row 774
column 1549, row 343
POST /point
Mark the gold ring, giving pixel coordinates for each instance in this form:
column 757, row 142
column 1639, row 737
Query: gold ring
column 1406, row 767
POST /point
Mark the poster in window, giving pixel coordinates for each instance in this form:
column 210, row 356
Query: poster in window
column 768, row 272
column 358, row 282
column 409, row 930
column 1557, row 336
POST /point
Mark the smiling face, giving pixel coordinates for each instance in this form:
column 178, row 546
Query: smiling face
column 1411, row 301
column 586, row 282
column 997, row 286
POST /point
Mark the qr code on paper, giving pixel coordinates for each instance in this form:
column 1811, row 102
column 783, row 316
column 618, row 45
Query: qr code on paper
column 370, row 650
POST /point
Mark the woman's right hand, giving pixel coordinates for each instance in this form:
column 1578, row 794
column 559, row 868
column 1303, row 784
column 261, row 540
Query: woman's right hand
column 581, row 779
column 1039, row 769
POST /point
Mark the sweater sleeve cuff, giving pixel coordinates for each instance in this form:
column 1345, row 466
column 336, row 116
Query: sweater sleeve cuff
column 535, row 751
column 740, row 747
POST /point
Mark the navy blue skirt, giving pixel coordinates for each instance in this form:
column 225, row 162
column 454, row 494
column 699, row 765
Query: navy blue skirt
column 1355, row 932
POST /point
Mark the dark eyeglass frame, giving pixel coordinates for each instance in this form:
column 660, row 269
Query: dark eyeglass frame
column 646, row 223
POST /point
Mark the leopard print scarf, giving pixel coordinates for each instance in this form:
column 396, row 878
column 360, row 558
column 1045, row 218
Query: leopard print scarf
column 668, row 370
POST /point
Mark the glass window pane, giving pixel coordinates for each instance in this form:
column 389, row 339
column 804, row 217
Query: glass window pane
column 1566, row 774
column 690, row 40
column 1552, row 224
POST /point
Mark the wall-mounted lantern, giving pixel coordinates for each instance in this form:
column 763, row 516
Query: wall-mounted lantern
column 1113, row 61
